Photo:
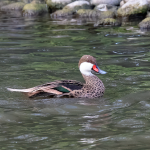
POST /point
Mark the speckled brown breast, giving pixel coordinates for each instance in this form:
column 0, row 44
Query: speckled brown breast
column 93, row 88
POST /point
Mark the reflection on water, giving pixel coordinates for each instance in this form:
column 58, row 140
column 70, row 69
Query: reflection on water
column 38, row 50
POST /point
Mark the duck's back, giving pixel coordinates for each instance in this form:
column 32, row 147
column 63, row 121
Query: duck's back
column 58, row 87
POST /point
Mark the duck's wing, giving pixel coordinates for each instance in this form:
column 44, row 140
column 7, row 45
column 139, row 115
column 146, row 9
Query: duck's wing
column 58, row 87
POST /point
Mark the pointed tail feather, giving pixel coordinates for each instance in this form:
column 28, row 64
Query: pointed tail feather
column 20, row 90
column 32, row 92
column 36, row 90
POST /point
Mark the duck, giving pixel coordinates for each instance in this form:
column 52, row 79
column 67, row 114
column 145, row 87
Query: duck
column 92, row 88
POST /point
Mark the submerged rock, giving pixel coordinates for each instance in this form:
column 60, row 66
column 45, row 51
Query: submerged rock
column 96, row 13
column 70, row 21
column 62, row 13
column 88, row 13
column 145, row 24
column 109, row 2
column 57, row 4
column 108, row 22
column 13, row 6
column 34, row 9
column 107, row 14
column 72, row 8
column 133, row 7
column 102, row 11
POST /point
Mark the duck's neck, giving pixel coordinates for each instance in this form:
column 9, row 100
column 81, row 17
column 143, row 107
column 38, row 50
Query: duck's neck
column 91, row 79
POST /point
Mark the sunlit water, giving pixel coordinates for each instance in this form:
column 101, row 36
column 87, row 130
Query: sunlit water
column 38, row 50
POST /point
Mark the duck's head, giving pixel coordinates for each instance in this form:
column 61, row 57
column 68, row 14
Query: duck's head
column 87, row 66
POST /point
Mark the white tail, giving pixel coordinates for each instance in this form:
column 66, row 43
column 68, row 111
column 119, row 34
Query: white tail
column 20, row 90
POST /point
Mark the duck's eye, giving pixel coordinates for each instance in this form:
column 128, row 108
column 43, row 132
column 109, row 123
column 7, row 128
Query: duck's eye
column 95, row 68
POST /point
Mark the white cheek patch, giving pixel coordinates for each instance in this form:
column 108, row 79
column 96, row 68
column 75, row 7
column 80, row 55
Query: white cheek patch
column 85, row 68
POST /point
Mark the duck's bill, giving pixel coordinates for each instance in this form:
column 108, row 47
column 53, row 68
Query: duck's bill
column 96, row 69
column 102, row 71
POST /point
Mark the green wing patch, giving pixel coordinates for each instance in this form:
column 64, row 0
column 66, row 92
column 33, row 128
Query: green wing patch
column 62, row 89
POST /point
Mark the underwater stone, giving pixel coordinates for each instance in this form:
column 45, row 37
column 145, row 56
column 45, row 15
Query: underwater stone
column 107, row 14
column 62, row 13
column 98, row 13
column 88, row 13
column 108, row 22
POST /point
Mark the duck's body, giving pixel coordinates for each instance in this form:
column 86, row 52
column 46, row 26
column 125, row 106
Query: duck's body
column 93, row 87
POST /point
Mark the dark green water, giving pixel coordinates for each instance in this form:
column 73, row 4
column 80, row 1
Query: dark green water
column 35, row 51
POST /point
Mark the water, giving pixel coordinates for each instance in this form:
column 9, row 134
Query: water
column 38, row 50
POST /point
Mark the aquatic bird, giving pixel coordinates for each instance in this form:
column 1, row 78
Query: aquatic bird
column 92, row 88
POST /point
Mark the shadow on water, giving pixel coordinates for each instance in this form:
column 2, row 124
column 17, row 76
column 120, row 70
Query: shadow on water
column 34, row 51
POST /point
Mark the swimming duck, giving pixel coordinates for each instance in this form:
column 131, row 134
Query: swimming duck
column 92, row 88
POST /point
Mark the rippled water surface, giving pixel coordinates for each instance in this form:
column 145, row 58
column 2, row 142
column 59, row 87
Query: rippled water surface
column 38, row 50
